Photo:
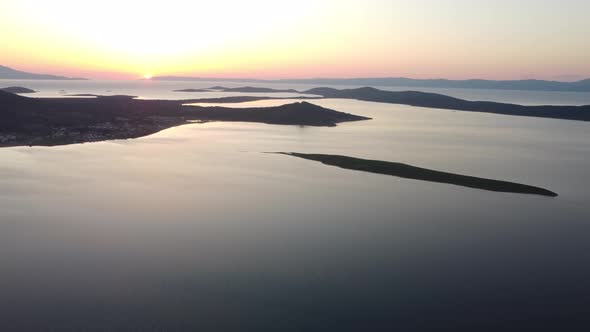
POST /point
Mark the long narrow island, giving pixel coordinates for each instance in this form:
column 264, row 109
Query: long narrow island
column 59, row 121
column 422, row 174
column 435, row 100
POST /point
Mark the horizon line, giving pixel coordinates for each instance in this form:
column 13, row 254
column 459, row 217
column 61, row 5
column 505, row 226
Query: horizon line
column 360, row 78
column 213, row 78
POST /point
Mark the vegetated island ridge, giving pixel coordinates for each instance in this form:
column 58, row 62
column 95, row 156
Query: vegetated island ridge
column 17, row 89
column 435, row 100
column 438, row 101
column 59, row 121
column 423, row 174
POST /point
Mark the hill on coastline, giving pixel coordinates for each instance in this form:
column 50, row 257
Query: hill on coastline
column 17, row 89
column 58, row 121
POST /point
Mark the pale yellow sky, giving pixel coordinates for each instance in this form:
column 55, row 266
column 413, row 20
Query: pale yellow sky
column 498, row 39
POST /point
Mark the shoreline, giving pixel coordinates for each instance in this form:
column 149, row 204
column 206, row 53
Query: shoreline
column 62, row 121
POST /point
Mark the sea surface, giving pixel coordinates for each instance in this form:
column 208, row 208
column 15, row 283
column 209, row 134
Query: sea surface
column 195, row 228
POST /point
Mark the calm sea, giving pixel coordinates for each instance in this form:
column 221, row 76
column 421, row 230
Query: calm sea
column 194, row 228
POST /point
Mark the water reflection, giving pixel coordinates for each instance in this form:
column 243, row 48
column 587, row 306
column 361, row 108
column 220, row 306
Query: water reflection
column 195, row 229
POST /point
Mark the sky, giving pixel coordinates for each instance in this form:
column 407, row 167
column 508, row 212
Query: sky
column 455, row 39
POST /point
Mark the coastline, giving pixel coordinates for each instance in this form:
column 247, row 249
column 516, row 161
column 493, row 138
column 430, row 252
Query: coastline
column 61, row 121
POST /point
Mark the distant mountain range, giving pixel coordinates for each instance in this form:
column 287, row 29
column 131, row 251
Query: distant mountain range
column 9, row 73
column 526, row 85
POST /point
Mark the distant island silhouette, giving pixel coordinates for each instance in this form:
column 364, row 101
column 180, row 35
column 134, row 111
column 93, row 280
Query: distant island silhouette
column 17, row 89
column 250, row 89
column 101, row 96
column 434, row 100
column 9, row 73
column 246, row 89
column 245, row 99
column 524, row 85
column 423, row 174
column 58, row 121
column 192, row 90
column 301, row 113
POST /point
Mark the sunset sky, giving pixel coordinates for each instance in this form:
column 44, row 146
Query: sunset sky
column 494, row 39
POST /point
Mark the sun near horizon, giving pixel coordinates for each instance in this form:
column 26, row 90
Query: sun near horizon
column 328, row 38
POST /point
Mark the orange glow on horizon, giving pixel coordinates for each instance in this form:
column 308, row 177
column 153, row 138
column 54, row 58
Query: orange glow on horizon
column 328, row 38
